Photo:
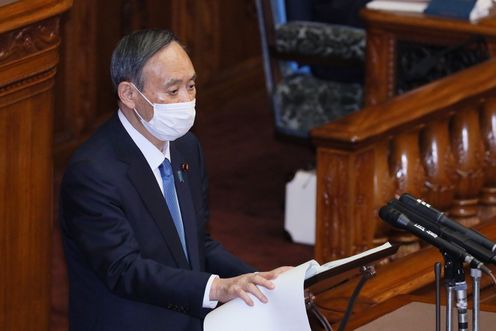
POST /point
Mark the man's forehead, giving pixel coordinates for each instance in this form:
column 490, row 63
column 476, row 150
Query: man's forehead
column 170, row 63
column 171, row 54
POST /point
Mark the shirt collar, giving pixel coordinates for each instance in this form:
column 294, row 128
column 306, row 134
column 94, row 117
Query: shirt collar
column 152, row 154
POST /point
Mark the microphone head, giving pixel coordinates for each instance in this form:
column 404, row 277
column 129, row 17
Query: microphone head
column 388, row 214
column 393, row 216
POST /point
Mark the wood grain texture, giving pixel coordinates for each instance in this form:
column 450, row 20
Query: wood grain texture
column 27, row 51
column 428, row 25
column 439, row 163
column 345, row 196
column 412, row 108
column 23, row 13
column 380, row 68
column 488, row 132
column 31, row 39
column 28, row 60
column 409, row 177
column 468, row 150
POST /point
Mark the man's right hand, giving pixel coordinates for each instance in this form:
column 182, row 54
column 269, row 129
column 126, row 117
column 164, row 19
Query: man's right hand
column 226, row 289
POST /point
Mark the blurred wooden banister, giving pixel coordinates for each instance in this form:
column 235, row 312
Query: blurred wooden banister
column 435, row 142
column 411, row 108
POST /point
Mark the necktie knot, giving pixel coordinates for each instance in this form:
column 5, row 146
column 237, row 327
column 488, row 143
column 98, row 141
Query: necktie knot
column 165, row 168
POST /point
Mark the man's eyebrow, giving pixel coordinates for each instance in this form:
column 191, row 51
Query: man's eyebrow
column 171, row 82
column 178, row 81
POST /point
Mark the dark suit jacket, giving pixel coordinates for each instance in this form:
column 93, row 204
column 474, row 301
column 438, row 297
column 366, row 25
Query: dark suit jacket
column 127, row 270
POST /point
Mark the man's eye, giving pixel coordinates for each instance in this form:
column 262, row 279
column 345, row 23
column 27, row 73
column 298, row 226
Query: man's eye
column 192, row 86
column 173, row 92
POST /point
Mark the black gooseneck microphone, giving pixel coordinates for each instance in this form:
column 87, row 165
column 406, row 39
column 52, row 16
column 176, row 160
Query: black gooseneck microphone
column 435, row 215
column 411, row 211
column 399, row 220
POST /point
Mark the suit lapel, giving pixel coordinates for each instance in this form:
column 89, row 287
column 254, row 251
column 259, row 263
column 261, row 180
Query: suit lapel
column 181, row 181
column 143, row 179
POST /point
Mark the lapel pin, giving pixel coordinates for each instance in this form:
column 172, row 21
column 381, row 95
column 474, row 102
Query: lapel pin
column 185, row 167
column 180, row 176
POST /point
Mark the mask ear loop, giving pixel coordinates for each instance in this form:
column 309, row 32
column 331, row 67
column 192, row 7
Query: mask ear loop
column 137, row 113
column 151, row 103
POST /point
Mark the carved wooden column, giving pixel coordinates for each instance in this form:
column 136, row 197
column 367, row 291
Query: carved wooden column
column 345, row 202
column 468, row 149
column 29, row 40
column 439, row 164
column 410, row 177
column 407, row 168
column 384, row 189
column 487, row 209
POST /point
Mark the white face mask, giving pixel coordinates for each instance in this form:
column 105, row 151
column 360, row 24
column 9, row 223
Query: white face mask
column 170, row 120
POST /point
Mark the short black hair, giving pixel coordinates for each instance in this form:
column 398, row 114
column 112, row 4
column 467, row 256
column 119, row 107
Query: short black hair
column 133, row 51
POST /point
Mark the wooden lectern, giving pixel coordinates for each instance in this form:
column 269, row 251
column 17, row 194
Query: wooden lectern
column 29, row 42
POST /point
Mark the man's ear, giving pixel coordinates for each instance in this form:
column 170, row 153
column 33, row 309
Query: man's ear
column 126, row 93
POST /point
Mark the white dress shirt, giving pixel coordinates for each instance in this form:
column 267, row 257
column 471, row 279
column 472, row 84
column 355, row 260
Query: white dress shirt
column 155, row 157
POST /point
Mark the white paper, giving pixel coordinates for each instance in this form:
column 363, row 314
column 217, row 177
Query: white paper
column 336, row 263
column 285, row 310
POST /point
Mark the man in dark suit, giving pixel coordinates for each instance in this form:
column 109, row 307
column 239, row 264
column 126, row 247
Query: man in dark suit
column 134, row 205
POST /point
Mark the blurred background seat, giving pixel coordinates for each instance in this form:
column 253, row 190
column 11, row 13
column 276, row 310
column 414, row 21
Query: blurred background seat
column 313, row 70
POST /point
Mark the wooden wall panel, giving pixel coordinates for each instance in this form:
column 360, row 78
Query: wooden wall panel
column 75, row 82
column 223, row 38
column 29, row 41
column 26, row 213
column 240, row 34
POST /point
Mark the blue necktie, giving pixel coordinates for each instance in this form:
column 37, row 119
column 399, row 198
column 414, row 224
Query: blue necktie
column 171, row 200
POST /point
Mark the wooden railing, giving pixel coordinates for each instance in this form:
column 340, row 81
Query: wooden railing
column 437, row 142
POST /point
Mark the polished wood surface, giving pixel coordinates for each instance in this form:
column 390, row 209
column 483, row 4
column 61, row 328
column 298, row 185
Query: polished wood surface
column 469, row 152
column 396, row 303
column 386, row 28
column 439, row 161
column 429, row 25
column 408, row 110
column 22, row 13
column 29, row 41
column 426, row 142
column 488, row 133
